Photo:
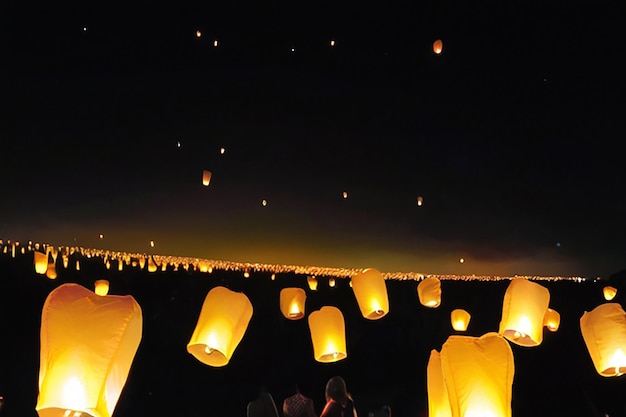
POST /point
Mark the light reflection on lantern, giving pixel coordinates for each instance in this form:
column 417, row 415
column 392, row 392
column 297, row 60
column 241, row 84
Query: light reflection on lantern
column 292, row 302
column 523, row 311
column 222, row 323
column 312, row 281
column 328, row 334
column 370, row 291
column 609, row 293
column 41, row 262
column 206, row 177
column 552, row 320
column 438, row 46
column 604, row 332
column 438, row 400
column 460, row 319
column 87, row 344
column 429, row 292
column 101, row 287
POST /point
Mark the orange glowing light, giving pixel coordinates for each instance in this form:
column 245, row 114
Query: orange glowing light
column 438, row 46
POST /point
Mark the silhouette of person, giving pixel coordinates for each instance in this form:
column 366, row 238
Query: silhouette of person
column 299, row 404
column 339, row 402
column 263, row 406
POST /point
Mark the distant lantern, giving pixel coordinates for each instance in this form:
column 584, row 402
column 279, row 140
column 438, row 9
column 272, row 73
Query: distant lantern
column 51, row 271
column 215, row 43
column 609, row 293
column 292, row 303
column 420, row 201
column 438, row 46
column 552, row 320
column 101, row 287
column 142, row 263
column 152, row 266
column 331, row 282
column 345, row 194
column 312, row 281
column 152, row 243
column 198, row 34
column 332, row 42
column 461, row 260
column 66, row 261
column 429, row 292
column 264, row 203
column 246, row 274
column 222, row 323
column 77, row 264
column 41, row 262
column 438, row 400
column 88, row 344
column 101, row 236
column 120, row 265
column 222, row 151
column 370, row 291
column 206, row 177
column 460, row 319
column 604, row 332
column 328, row 334
column 523, row 311
column 478, row 373
column 273, row 277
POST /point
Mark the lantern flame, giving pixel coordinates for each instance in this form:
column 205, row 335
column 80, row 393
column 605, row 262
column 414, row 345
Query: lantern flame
column 74, row 394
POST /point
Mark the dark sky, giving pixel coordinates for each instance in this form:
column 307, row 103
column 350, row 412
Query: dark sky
column 512, row 135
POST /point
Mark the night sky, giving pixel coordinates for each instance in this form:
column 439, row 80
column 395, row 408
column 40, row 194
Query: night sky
column 512, row 135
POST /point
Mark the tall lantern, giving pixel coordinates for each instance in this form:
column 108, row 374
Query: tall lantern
column 523, row 310
column 460, row 319
column 312, row 281
column 609, row 293
column 478, row 372
column 371, row 293
column 552, row 320
column 88, row 344
column 206, row 177
column 328, row 334
column 41, row 262
column 292, row 303
column 604, row 332
column 429, row 292
column 438, row 399
column 222, row 323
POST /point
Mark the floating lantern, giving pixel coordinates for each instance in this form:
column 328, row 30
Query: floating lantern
column 429, row 292
column 328, row 334
column 206, row 177
column 152, row 266
column 332, row 42
column 292, row 303
column 438, row 46
column 215, row 43
column 523, row 310
column 345, row 194
column 222, row 323
column 120, row 265
column 604, row 332
column 460, row 319
column 420, row 201
column 264, row 203
column 273, row 277
column 312, row 281
column 88, row 344
column 438, row 400
column 246, row 274
column 41, row 262
column 370, row 291
column 66, row 261
column 101, row 287
column 609, row 293
column 478, row 373
column 222, row 151
column 51, row 271
column 198, row 34
column 331, row 282
column 77, row 264
column 552, row 320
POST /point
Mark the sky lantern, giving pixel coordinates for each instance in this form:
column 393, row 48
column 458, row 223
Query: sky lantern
column 198, row 34
column 41, row 262
column 345, row 194
column 101, row 287
column 206, row 177
column 370, row 291
column 438, row 400
column 222, row 151
column 215, row 43
column 331, row 282
column 552, row 320
column 51, row 271
column 332, row 42
column 523, row 311
column 460, row 319
column 264, row 202
column 420, row 201
column 152, row 266
column 88, row 343
column 292, row 303
column 438, row 46
column 222, row 323
column 609, row 293
column 478, row 373
column 312, row 281
column 328, row 334
column 429, row 292
column 604, row 332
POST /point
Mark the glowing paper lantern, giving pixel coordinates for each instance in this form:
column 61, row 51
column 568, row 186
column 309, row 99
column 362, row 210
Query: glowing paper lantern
column 41, row 262
column 478, row 373
column 332, row 42
column 460, row 319
column 438, row 46
column 292, row 303
column 88, row 344
column 345, row 194
column 420, row 201
column 552, row 320
column 429, row 292
column 312, row 281
column 215, row 43
column 328, row 334
column 524, row 307
column 604, row 332
column 101, row 287
column 198, row 34
column 152, row 266
column 438, row 400
column 51, row 272
column 206, row 177
column 609, row 293
column 331, row 282
column 222, row 323
column 371, row 293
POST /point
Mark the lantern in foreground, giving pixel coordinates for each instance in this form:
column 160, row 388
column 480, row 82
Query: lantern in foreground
column 460, row 319
column 101, row 287
column 478, row 373
column 604, row 332
column 523, row 310
column 312, row 281
column 552, row 320
column 292, row 303
column 609, row 293
column 41, row 262
column 438, row 400
column 438, row 46
column 206, row 177
column 429, row 292
column 222, row 323
column 328, row 334
column 88, row 344
column 371, row 293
